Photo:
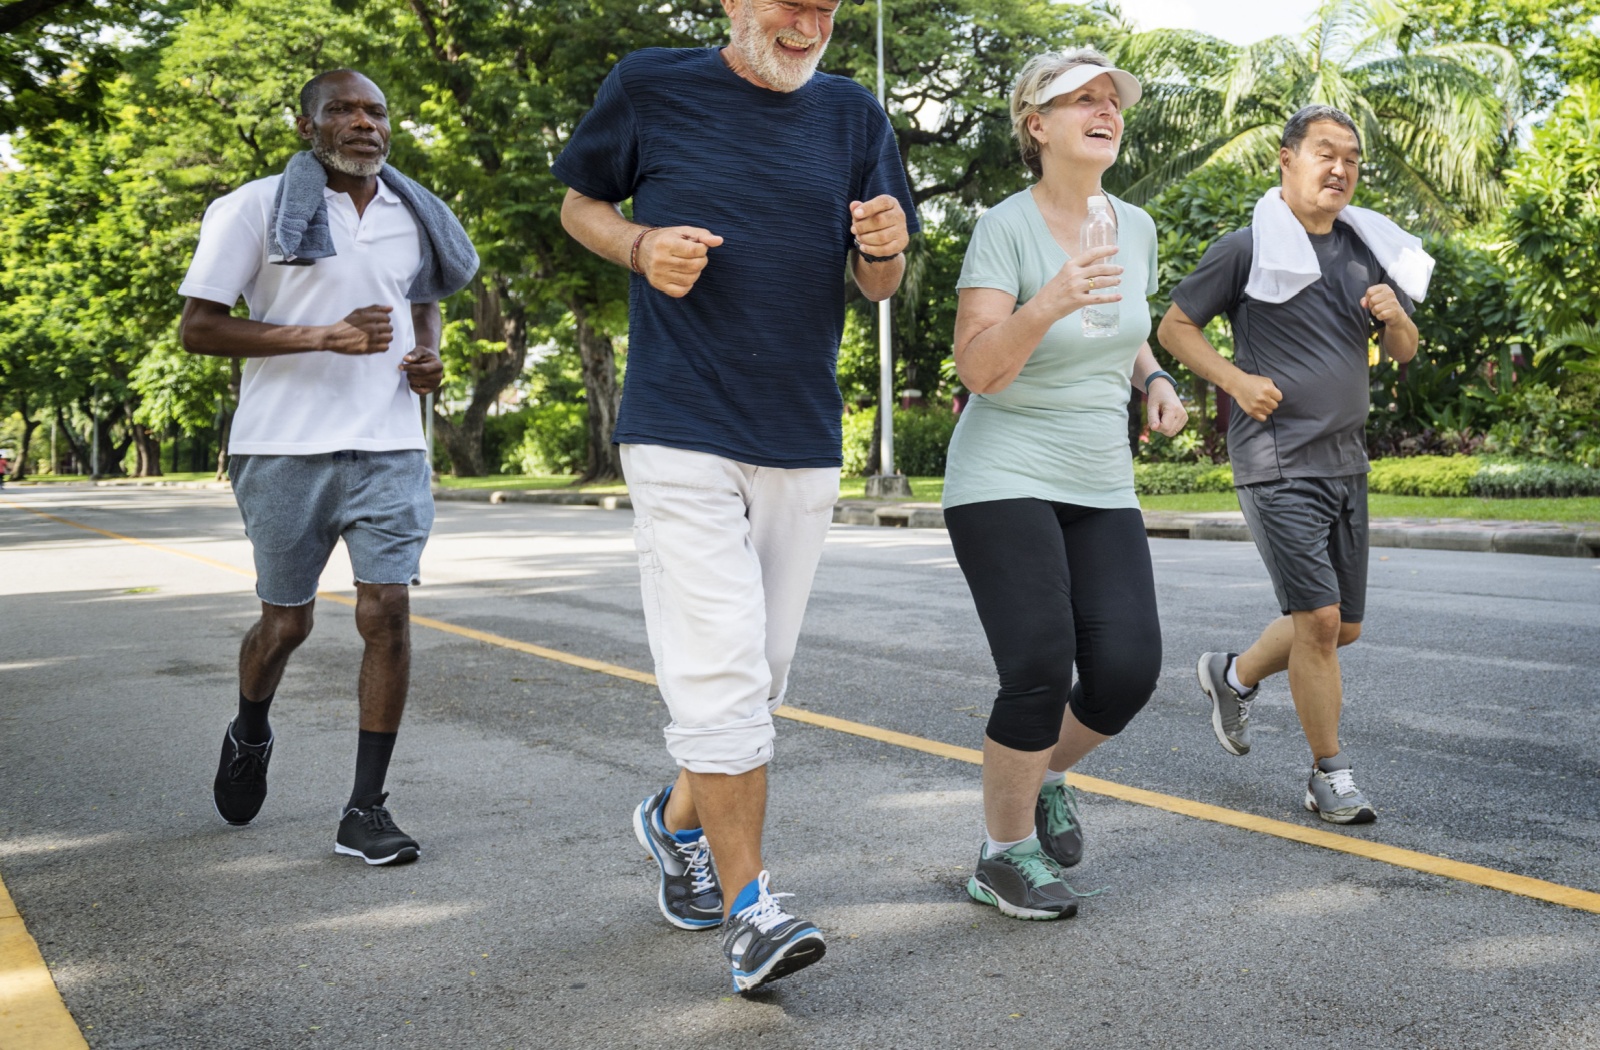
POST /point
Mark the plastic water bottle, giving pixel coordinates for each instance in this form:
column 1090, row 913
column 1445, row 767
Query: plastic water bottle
column 1099, row 230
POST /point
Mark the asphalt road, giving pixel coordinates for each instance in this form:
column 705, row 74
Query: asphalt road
column 530, row 920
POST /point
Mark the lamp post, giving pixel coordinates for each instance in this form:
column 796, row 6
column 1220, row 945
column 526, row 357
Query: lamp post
column 887, row 482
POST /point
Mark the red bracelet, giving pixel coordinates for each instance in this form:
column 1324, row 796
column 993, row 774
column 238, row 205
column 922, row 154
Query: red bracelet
column 633, row 254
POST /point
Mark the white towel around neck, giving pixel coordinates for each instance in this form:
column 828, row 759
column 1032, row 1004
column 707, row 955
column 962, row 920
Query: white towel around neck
column 1283, row 263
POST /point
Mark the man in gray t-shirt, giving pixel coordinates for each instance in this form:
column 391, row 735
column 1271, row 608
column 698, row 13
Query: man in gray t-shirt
column 1299, row 376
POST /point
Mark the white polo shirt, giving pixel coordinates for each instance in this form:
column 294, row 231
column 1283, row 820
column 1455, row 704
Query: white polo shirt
column 309, row 403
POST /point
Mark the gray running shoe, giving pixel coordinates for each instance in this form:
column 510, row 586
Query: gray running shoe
column 1055, row 817
column 1230, row 712
column 1332, row 794
column 763, row 942
column 690, row 896
column 1023, row 883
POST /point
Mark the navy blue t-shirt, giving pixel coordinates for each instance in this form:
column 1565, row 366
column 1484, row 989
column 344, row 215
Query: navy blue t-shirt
column 744, row 365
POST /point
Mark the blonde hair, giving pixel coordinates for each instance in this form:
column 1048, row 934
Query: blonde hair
column 1034, row 78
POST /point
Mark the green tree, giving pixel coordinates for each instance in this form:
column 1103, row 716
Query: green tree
column 1435, row 117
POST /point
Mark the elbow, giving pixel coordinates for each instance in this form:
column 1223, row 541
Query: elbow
column 1167, row 332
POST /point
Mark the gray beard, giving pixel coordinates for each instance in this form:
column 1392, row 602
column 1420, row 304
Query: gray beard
column 767, row 62
column 336, row 161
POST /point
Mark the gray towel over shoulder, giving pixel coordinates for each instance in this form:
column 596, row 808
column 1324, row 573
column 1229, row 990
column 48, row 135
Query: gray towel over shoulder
column 300, row 234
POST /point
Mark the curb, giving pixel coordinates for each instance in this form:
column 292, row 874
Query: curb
column 1504, row 537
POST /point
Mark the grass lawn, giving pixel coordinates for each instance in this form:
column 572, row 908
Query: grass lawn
column 1576, row 509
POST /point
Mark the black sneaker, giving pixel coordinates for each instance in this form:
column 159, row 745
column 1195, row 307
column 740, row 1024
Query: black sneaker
column 763, row 942
column 690, row 896
column 241, row 784
column 370, row 833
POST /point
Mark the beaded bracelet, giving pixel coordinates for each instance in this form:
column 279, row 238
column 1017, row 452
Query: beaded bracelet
column 633, row 253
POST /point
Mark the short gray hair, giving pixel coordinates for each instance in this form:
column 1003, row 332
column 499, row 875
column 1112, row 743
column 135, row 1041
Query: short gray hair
column 1296, row 127
column 1035, row 76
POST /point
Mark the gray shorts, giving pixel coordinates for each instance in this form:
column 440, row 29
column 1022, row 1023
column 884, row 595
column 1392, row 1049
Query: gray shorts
column 1312, row 534
column 296, row 507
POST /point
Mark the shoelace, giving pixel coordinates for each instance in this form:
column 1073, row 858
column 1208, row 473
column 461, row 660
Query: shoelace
column 1037, row 869
column 697, row 858
column 1244, row 708
column 247, row 765
column 378, row 820
column 1342, row 782
column 1061, row 808
column 765, row 914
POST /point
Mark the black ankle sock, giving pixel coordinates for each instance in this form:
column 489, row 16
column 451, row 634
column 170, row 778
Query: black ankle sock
column 251, row 727
column 372, row 765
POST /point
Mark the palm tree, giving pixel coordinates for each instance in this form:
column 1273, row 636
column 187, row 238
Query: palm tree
column 1435, row 121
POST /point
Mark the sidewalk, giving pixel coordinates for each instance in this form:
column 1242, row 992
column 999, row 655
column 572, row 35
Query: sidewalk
column 1448, row 534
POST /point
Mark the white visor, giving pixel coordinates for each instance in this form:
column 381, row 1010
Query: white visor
column 1128, row 89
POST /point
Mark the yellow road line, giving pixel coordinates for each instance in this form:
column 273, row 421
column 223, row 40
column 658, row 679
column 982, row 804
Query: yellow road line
column 1474, row 874
column 1492, row 878
column 32, row 1015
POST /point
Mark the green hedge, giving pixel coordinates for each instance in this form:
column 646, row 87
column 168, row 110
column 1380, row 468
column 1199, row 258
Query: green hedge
column 1486, row 478
column 921, row 440
column 1173, row 479
column 1424, row 476
column 1505, row 479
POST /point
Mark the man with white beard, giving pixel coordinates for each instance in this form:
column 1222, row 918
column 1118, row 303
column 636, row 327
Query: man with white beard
column 342, row 261
column 756, row 183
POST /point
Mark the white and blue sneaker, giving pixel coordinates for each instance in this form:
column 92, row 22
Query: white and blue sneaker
column 763, row 942
column 690, row 896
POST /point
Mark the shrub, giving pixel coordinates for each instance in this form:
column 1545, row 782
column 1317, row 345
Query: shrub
column 1424, row 476
column 555, row 441
column 1507, row 479
column 1478, row 476
column 921, row 440
column 1171, row 479
column 501, row 437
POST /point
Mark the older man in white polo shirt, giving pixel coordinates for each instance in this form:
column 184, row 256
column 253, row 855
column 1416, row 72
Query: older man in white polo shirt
column 327, row 442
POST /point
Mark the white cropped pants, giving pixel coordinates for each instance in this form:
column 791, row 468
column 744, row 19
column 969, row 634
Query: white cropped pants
column 727, row 553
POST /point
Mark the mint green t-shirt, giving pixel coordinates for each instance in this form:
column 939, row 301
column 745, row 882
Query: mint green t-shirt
column 1060, row 431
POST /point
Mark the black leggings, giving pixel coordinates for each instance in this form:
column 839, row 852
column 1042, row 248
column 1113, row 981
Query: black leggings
column 1056, row 583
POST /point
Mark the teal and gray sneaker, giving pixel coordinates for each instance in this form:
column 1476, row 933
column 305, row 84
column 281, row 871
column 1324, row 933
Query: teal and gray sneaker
column 1230, row 712
column 1331, row 793
column 1055, row 817
column 1023, row 883
column 763, row 942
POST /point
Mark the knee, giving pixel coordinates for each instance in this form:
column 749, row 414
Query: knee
column 383, row 613
column 1033, row 695
column 286, row 627
column 1117, row 690
column 1349, row 632
column 1318, row 628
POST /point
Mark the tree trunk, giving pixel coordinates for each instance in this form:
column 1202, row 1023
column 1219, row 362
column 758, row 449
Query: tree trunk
column 598, row 354
column 147, row 449
column 78, row 450
column 875, row 446
column 19, row 469
column 225, row 416
column 498, row 318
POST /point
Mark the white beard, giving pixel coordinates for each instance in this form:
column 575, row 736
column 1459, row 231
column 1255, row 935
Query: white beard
column 768, row 61
column 361, row 169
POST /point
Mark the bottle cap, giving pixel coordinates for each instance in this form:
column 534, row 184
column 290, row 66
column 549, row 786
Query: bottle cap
column 1098, row 202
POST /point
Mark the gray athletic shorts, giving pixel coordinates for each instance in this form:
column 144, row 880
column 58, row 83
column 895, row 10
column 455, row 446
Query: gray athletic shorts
column 1312, row 534
column 297, row 507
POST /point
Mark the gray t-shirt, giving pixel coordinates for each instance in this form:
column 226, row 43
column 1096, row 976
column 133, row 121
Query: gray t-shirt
column 1315, row 347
